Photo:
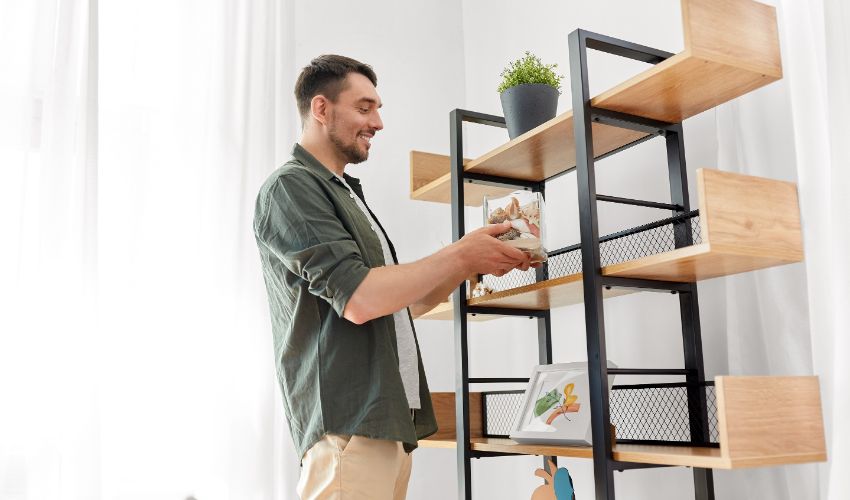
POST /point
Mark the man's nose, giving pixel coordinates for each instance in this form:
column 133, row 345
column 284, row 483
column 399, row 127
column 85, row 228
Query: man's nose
column 377, row 123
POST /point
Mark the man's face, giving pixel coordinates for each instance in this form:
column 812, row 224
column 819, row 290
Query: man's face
column 354, row 118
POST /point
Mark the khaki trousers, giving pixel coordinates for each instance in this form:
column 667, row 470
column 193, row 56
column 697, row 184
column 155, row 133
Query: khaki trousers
column 343, row 467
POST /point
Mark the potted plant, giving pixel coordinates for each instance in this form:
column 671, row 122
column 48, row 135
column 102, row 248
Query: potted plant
column 529, row 92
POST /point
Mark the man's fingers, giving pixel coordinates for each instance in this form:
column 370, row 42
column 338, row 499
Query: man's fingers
column 496, row 229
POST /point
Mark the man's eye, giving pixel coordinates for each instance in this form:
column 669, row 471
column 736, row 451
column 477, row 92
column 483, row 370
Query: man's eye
column 364, row 110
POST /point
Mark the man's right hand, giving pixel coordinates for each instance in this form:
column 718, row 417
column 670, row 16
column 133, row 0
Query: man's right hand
column 482, row 253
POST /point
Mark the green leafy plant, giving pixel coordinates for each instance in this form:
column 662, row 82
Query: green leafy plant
column 530, row 69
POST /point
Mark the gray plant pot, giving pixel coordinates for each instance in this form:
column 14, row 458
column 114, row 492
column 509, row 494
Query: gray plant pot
column 527, row 106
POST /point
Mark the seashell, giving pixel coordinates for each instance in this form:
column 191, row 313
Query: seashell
column 481, row 290
column 512, row 234
column 520, row 225
column 497, row 216
column 531, row 212
column 513, row 208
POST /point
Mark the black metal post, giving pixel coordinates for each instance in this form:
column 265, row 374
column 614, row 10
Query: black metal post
column 591, row 268
column 464, row 467
column 689, row 311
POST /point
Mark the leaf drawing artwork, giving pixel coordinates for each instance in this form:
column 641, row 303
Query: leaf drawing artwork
column 562, row 403
column 568, row 405
column 546, row 402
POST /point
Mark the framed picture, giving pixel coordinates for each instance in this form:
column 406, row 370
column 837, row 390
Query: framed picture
column 556, row 406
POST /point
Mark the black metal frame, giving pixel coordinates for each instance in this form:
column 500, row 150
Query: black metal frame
column 593, row 280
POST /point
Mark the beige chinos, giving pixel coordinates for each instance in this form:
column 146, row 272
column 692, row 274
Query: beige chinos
column 340, row 467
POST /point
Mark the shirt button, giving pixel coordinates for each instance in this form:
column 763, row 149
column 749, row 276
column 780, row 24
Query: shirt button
column 351, row 195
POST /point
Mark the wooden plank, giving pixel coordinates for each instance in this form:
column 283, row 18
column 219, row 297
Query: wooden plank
column 740, row 33
column 750, row 215
column 439, row 191
column 731, row 48
column 687, row 456
column 444, row 410
column 555, row 292
column 763, row 421
column 548, row 150
column 426, row 167
column 445, row 311
column 770, row 420
column 430, row 180
column 680, row 87
column 693, row 263
column 536, row 155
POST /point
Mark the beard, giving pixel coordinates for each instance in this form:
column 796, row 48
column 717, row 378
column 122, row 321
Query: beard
column 349, row 151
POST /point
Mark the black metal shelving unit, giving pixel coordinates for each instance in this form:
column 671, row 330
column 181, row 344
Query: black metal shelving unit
column 584, row 114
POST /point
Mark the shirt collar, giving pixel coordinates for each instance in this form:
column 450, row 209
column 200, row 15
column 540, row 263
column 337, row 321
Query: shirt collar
column 310, row 161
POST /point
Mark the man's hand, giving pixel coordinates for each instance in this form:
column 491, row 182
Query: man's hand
column 482, row 253
column 390, row 288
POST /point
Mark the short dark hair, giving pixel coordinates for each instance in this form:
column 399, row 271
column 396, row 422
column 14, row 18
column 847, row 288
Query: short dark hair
column 325, row 75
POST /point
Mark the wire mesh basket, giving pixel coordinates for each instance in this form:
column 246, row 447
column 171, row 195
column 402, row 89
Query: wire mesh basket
column 644, row 413
column 648, row 239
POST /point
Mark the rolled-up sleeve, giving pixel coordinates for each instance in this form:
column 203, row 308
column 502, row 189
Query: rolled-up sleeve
column 298, row 224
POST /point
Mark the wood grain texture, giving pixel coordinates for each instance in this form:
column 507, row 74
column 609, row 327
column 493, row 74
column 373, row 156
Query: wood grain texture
column 430, row 180
column 750, row 215
column 555, row 292
column 444, row 410
column 548, row 150
column 687, row 456
column 770, row 420
column 739, row 33
column 731, row 48
column 763, row 421
column 680, row 87
column 693, row 263
column 445, row 311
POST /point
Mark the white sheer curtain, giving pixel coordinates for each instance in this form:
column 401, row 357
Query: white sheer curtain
column 48, row 233
column 794, row 319
column 135, row 348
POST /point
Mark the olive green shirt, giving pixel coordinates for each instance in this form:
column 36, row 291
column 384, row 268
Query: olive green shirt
column 316, row 247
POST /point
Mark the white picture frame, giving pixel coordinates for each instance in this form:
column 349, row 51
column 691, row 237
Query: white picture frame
column 556, row 406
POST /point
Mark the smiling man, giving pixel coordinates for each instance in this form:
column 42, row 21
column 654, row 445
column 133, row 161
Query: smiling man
column 348, row 364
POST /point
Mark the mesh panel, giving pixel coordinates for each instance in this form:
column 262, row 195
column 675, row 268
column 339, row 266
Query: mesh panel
column 500, row 411
column 660, row 413
column 641, row 241
column 649, row 412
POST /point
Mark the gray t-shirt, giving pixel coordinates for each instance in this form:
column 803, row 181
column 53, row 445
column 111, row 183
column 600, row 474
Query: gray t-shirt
column 408, row 363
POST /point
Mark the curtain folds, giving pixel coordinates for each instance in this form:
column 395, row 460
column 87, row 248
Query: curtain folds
column 135, row 345
column 793, row 319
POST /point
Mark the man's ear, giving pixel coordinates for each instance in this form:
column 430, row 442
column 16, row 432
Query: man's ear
column 319, row 109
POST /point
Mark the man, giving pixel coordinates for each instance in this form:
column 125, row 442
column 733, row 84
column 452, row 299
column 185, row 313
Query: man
column 348, row 363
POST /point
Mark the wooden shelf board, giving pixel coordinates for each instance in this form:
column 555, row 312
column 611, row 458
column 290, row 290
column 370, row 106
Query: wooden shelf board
column 556, row 292
column 731, row 48
column 682, row 456
column 751, row 432
column 536, row 155
column 681, row 87
column 444, row 311
column 688, row 456
column 684, row 265
column 548, row 149
column 439, row 190
column 694, row 263
column 676, row 89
